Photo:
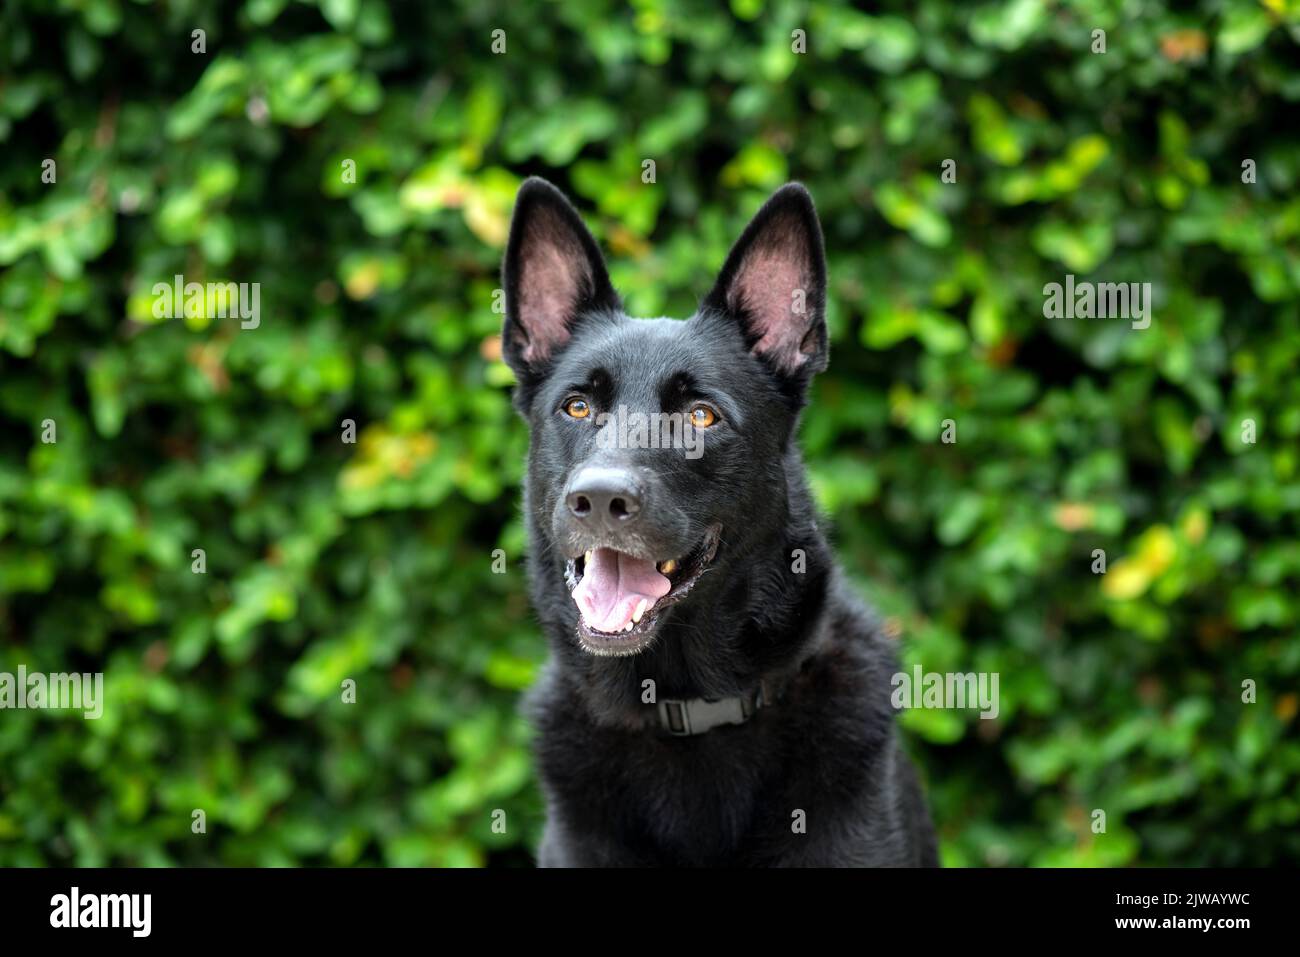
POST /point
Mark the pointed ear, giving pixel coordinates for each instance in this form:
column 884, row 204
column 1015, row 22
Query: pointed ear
column 774, row 285
column 552, row 274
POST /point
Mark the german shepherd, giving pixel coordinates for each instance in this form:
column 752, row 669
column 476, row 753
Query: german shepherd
column 715, row 695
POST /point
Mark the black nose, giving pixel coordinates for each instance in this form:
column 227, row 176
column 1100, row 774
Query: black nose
column 608, row 497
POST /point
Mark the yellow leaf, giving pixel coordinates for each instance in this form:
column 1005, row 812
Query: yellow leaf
column 1156, row 549
column 1195, row 525
column 1125, row 580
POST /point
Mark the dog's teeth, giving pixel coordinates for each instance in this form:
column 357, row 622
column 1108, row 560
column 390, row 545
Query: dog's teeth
column 669, row 566
column 629, row 626
column 640, row 610
column 586, row 557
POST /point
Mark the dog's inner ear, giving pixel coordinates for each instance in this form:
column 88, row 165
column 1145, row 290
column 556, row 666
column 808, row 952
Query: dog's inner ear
column 553, row 276
column 774, row 283
column 772, row 278
column 553, row 273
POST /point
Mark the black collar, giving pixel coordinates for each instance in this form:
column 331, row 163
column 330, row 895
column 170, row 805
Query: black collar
column 683, row 717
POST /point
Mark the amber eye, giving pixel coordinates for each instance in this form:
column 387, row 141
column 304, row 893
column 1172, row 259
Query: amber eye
column 702, row 416
column 577, row 408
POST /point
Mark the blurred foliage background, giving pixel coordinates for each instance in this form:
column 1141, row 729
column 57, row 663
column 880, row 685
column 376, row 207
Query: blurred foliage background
column 372, row 561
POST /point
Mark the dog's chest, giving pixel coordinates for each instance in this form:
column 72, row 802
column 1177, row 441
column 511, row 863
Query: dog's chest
column 698, row 801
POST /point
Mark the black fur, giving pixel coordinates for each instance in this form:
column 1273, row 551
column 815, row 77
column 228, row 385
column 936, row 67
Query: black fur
column 619, row 790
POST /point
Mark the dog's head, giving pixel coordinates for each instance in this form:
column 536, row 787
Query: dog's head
column 657, row 451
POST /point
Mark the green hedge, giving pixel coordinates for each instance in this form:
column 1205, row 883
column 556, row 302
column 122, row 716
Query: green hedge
column 327, row 560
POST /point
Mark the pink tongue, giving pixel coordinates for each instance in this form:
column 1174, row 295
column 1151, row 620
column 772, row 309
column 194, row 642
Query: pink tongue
column 613, row 584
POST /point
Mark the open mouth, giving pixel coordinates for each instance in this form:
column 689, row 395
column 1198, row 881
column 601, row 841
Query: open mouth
column 621, row 598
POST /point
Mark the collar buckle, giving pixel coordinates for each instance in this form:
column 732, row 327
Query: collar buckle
column 683, row 717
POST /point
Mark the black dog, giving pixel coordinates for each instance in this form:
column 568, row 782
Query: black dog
column 715, row 696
